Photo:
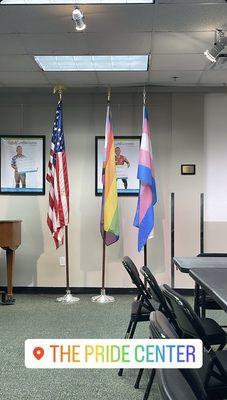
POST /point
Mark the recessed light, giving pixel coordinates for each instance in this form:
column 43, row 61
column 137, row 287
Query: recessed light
column 112, row 2
column 94, row 63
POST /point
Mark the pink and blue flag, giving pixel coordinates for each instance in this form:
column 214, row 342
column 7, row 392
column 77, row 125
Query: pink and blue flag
column 144, row 218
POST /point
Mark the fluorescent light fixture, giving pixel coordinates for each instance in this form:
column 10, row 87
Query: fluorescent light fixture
column 13, row 2
column 209, row 56
column 93, row 63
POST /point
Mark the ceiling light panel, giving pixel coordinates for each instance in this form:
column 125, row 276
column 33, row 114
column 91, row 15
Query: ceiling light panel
column 13, row 2
column 93, row 63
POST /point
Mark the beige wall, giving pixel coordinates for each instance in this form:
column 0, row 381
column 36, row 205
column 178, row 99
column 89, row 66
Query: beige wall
column 177, row 126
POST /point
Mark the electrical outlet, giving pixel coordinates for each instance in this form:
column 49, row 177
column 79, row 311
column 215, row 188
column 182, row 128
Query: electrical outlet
column 62, row 261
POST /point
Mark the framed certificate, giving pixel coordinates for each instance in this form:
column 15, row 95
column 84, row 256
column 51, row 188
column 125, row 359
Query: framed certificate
column 22, row 160
column 126, row 162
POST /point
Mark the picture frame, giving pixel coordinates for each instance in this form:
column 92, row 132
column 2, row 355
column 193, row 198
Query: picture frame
column 22, row 165
column 188, row 169
column 126, row 166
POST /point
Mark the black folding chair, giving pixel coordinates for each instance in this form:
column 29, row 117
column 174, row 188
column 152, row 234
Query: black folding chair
column 142, row 306
column 173, row 384
column 186, row 318
column 157, row 295
column 204, row 301
column 213, row 374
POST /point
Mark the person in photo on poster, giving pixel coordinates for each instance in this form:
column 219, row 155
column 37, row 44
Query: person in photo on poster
column 121, row 160
column 19, row 177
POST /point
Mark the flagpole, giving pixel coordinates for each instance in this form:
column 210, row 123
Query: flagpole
column 145, row 255
column 103, row 260
column 68, row 298
column 103, row 298
column 145, row 246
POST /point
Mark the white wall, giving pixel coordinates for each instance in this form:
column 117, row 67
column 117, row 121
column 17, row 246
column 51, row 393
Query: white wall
column 177, row 126
column 215, row 146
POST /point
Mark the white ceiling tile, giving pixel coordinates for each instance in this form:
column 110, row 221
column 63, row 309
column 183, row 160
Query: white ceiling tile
column 166, row 78
column 119, row 43
column 190, row 17
column 178, row 62
column 72, row 78
column 59, row 43
column 57, row 19
column 120, row 78
column 23, row 79
column 11, row 44
column 212, row 77
column 18, row 63
column 36, row 19
column 87, row 43
column 181, row 42
column 121, row 19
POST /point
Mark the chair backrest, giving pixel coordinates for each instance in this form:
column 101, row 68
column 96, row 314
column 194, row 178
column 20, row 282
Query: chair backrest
column 135, row 277
column 173, row 386
column 187, row 320
column 156, row 292
column 154, row 288
column 161, row 328
column 212, row 255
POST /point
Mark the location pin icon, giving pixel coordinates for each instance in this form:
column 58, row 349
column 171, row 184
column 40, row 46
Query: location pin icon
column 38, row 353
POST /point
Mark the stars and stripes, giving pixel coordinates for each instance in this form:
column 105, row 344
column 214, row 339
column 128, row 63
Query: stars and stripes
column 57, row 176
column 144, row 218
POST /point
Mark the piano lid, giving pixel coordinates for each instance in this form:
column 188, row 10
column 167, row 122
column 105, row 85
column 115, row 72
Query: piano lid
column 9, row 220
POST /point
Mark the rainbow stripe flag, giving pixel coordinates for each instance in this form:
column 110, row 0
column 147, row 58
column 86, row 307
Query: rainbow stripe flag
column 144, row 218
column 109, row 215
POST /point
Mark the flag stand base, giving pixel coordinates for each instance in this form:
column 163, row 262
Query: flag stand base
column 103, row 298
column 68, row 298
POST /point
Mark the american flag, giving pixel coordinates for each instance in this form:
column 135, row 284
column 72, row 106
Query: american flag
column 57, row 176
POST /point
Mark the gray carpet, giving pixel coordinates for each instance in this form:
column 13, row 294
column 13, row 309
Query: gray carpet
column 39, row 316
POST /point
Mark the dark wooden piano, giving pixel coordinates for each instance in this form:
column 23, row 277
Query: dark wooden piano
column 10, row 240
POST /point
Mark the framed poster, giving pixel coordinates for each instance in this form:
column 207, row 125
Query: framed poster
column 22, row 161
column 126, row 161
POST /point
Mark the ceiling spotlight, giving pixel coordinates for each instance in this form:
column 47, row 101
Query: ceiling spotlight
column 78, row 18
column 217, row 48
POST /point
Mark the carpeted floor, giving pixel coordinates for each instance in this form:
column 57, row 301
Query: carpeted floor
column 39, row 316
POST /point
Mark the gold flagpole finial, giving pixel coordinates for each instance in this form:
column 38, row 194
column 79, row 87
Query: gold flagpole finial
column 108, row 95
column 59, row 89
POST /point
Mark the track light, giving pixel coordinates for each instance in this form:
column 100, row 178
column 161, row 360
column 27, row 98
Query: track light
column 217, row 48
column 78, row 18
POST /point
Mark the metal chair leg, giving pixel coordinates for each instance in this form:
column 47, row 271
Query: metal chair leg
column 138, row 379
column 128, row 329
column 196, row 299
column 149, row 385
column 203, row 303
column 131, row 334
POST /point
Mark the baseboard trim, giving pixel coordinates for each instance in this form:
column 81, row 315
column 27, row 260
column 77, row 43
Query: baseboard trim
column 83, row 290
column 75, row 290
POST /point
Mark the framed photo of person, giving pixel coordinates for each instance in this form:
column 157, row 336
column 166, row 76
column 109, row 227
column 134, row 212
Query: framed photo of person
column 22, row 161
column 126, row 161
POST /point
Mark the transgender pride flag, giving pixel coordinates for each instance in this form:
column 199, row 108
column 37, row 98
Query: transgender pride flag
column 144, row 218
